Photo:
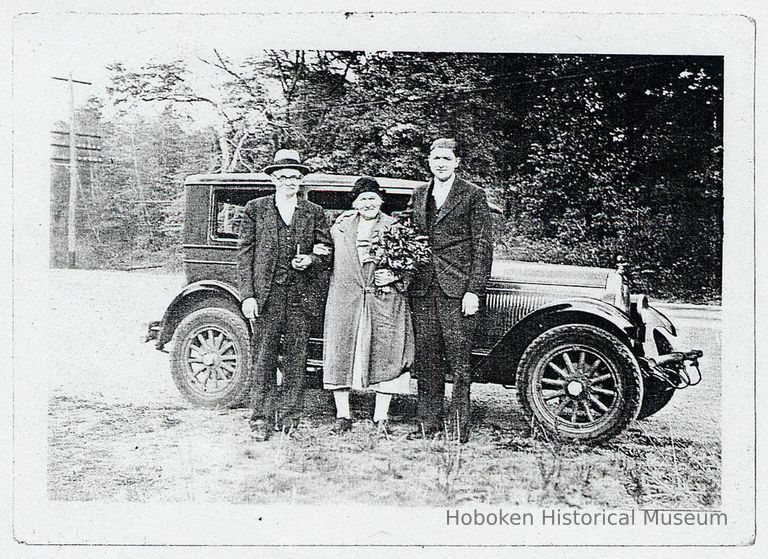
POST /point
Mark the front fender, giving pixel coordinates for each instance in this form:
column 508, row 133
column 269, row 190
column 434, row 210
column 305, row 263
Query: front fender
column 657, row 326
column 196, row 295
column 500, row 364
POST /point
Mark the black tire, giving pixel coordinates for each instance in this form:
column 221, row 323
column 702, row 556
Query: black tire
column 590, row 377
column 656, row 394
column 211, row 359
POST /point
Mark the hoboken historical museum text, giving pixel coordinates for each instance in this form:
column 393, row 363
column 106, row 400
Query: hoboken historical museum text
column 574, row 517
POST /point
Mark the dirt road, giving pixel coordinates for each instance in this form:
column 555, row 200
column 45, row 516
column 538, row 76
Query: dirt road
column 119, row 430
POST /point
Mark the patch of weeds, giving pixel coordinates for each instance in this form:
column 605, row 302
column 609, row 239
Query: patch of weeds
column 169, row 421
column 674, row 472
column 633, row 479
column 449, row 463
column 644, row 438
column 143, row 475
column 566, row 470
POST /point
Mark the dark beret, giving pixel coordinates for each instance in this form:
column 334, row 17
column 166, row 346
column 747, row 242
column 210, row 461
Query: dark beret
column 365, row 184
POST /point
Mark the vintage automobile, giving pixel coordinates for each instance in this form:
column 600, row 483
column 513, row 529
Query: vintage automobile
column 586, row 357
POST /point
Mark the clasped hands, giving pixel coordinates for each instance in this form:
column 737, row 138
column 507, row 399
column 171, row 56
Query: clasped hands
column 384, row 277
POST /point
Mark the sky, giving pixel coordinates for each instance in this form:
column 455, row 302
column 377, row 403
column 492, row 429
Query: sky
column 48, row 44
column 86, row 44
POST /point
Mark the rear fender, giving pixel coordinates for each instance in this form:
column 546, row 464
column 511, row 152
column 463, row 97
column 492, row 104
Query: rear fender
column 197, row 295
column 500, row 365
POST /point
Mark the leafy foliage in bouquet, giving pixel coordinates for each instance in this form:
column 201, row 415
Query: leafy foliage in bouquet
column 401, row 247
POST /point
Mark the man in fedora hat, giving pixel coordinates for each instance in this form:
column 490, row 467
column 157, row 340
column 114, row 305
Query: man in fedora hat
column 447, row 292
column 278, row 273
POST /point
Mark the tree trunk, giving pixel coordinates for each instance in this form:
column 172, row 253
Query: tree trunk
column 236, row 155
column 226, row 154
column 139, row 186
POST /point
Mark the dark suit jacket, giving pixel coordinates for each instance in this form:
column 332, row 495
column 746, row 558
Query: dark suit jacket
column 257, row 250
column 462, row 240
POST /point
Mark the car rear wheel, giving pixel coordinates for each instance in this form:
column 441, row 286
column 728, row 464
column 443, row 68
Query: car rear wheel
column 579, row 382
column 211, row 358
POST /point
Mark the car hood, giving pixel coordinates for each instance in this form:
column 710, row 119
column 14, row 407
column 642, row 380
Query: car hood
column 549, row 274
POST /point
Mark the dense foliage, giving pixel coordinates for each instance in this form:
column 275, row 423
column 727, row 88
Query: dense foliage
column 592, row 156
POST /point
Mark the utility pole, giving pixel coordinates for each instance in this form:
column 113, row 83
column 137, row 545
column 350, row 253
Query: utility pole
column 73, row 177
column 71, row 225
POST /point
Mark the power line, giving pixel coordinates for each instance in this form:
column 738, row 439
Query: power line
column 82, row 134
column 70, row 79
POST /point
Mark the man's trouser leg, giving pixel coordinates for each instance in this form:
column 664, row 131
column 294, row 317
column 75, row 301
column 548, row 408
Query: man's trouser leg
column 429, row 360
column 267, row 346
column 458, row 334
column 295, row 338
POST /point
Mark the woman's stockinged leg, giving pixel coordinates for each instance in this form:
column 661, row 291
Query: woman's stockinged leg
column 381, row 411
column 341, row 398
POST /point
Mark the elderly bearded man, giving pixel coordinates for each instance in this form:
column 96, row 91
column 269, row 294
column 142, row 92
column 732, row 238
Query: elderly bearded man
column 447, row 292
column 277, row 265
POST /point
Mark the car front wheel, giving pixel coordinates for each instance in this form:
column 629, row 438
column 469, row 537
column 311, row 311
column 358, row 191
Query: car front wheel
column 211, row 358
column 579, row 382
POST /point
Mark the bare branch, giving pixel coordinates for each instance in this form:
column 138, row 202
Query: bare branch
column 238, row 77
column 281, row 71
column 236, row 154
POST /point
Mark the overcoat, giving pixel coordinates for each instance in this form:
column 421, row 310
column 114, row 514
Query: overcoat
column 387, row 327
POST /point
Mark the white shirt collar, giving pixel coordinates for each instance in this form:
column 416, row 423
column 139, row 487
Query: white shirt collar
column 444, row 185
column 286, row 199
column 286, row 207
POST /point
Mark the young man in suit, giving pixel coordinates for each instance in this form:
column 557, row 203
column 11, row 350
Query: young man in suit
column 279, row 285
column 446, row 293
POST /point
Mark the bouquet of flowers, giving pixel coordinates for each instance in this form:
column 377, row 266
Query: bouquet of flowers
column 400, row 248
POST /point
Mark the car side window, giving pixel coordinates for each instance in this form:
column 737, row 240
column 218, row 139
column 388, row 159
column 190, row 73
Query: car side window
column 334, row 202
column 228, row 208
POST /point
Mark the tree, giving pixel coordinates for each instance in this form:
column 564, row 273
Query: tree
column 595, row 156
column 625, row 158
column 237, row 102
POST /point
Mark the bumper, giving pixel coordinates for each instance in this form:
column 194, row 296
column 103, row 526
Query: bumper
column 680, row 369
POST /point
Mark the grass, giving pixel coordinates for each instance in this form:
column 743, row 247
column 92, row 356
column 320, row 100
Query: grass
column 139, row 453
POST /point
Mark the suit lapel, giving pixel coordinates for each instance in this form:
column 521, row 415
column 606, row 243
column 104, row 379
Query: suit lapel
column 422, row 205
column 271, row 217
column 454, row 197
column 299, row 223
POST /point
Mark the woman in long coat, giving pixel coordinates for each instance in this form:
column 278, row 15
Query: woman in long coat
column 368, row 332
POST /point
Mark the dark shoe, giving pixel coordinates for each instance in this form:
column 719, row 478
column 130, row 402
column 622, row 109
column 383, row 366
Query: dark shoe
column 342, row 425
column 259, row 430
column 424, row 430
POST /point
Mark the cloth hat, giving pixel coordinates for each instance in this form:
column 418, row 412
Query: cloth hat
column 287, row 159
column 365, row 184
